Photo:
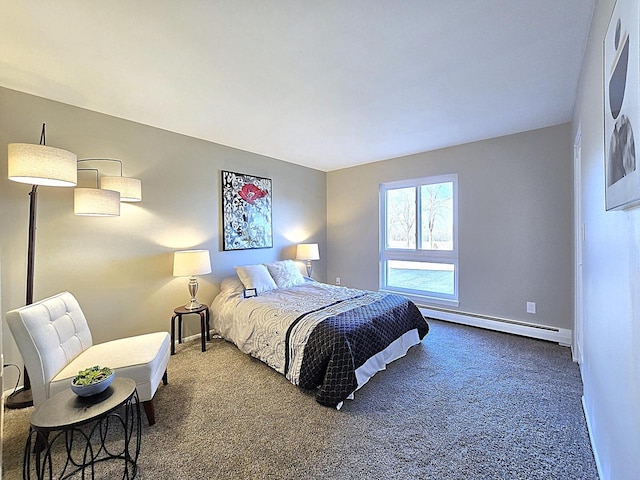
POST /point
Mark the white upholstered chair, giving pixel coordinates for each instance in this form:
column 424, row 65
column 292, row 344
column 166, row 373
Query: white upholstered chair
column 55, row 343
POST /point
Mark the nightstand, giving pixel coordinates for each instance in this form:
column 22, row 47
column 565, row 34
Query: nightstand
column 205, row 334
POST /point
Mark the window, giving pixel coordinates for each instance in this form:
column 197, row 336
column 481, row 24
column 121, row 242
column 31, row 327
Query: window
column 418, row 238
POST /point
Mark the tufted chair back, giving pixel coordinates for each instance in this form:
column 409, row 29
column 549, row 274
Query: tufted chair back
column 49, row 334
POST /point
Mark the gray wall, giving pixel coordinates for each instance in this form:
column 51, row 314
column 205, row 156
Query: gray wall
column 611, row 276
column 120, row 268
column 515, row 222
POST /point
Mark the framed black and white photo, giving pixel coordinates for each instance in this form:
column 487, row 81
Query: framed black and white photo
column 246, row 211
column 621, row 119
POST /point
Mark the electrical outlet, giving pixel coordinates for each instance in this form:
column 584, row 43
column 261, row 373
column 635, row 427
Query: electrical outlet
column 531, row 307
column 337, row 280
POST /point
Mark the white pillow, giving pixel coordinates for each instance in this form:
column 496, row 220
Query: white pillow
column 256, row 276
column 285, row 273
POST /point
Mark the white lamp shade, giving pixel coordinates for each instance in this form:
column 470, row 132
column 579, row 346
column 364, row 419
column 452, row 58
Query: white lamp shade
column 95, row 202
column 307, row 251
column 187, row 263
column 130, row 188
column 42, row 165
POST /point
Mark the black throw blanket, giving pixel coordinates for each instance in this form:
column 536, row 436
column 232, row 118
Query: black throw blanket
column 340, row 344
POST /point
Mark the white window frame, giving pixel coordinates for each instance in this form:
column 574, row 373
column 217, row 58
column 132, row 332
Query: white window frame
column 416, row 254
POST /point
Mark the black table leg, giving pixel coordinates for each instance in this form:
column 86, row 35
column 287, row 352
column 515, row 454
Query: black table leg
column 208, row 326
column 203, row 337
column 173, row 334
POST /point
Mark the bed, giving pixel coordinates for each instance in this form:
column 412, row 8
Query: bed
column 324, row 337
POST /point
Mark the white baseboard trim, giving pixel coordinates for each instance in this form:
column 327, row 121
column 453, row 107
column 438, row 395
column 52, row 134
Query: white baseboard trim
column 195, row 336
column 593, row 445
column 553, row 334
column 189, row 338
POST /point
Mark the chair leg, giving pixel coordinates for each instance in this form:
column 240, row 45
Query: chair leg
column 165, row 378
column 150, row 410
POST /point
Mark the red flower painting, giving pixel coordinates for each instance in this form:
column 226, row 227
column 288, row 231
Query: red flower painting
column 246, row 211
column 250, row 193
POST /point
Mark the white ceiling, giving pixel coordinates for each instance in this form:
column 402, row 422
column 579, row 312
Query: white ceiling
column 321, row 83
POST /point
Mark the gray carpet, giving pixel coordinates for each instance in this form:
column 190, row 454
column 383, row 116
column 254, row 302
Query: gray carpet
column 465, row 404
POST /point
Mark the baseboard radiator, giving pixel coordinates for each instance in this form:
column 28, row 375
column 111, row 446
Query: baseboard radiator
column 562, row 336
column 516, row 327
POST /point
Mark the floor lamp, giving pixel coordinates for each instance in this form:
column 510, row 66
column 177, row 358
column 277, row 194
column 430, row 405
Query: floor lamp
column 37, row 165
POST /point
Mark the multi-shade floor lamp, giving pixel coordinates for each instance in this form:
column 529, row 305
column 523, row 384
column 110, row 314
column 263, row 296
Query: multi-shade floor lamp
column 37, row 165
column 53, row 167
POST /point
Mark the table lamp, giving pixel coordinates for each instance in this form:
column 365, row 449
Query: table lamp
column 189, row 263
column 308, row 252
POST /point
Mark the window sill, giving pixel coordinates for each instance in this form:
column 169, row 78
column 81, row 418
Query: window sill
column 425, row 300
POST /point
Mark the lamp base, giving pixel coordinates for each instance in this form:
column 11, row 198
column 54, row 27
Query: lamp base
column 193, row 289
column 19, row 399
column 193, row 305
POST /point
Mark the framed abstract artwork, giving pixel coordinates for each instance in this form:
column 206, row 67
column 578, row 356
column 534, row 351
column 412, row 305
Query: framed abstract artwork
column 246, row 212
column 621, row 118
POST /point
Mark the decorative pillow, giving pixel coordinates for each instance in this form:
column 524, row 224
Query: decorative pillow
column 285, row 273
column 256, row 276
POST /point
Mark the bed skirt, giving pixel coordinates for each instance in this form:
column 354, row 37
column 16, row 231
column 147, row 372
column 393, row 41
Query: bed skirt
column 397, row 349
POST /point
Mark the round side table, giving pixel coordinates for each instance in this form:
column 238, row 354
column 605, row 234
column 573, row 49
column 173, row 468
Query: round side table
column 70, row 434
column 205, row 329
